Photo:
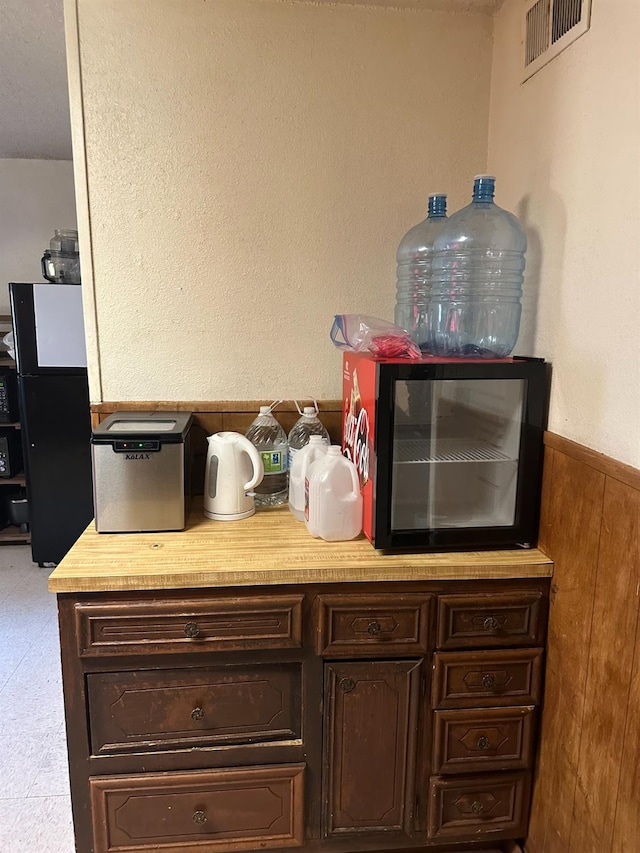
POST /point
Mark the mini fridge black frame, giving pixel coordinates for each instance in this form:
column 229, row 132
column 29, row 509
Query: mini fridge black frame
column 524, row 531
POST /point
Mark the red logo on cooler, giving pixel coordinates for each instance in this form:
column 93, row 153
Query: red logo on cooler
column 356, row 432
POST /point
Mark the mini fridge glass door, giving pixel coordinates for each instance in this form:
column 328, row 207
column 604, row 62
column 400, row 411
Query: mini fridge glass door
column 456, row 446
column 458, row 453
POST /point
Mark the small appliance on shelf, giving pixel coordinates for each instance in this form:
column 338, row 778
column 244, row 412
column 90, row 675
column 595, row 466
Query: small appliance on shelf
column 61, row 261
column 141, row 471
column 10, row 453
column 9, row 412
column 449, row 451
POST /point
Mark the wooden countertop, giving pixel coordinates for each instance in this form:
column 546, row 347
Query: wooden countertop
column 271, row 547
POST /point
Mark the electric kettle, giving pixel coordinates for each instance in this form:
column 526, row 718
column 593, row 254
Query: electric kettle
column 234, row 467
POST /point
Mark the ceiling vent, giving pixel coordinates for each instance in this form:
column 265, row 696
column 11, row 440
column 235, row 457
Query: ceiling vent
column 549, row 27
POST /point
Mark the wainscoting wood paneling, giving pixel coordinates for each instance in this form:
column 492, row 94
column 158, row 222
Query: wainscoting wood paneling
column 586, row 796
column 215, row 415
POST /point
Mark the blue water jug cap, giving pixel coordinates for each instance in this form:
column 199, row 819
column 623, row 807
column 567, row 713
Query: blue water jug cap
column 484, row 187
column 437, row 205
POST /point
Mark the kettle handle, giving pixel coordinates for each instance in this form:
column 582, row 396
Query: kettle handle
column 256, row 460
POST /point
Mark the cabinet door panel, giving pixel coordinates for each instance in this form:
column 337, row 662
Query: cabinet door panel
column 370, row 746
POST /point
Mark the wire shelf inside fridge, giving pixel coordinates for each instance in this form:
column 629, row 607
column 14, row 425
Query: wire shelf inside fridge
column 421, row 450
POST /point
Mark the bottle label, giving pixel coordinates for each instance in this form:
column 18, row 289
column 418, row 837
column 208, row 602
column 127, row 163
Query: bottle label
column 274, row 461
column 306, row 498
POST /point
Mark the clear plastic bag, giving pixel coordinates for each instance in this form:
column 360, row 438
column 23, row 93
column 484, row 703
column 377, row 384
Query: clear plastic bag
column 358, row 332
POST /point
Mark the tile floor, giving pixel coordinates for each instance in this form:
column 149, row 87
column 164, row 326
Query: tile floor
column 35, row 809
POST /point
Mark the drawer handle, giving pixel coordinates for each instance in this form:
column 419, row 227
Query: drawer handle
column 374, row 628
column 197, row 714
column 491, row 624
column 488, row 681
column 477, row 807
column 199, row 817
column 347, row 685
column 484, row 743
column 191, row 630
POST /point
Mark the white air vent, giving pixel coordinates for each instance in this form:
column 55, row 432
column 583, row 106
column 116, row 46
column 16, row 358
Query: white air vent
column 549, row 27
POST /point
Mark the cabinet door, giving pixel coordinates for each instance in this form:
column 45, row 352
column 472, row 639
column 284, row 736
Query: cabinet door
column 370, row 746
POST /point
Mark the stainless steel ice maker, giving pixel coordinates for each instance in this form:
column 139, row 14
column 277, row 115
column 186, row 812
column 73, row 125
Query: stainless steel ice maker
column 141, row 471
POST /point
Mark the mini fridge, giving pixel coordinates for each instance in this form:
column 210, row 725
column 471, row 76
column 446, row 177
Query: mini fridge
column 449, row 451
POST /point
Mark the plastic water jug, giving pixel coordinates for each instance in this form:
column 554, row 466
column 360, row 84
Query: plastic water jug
column 476, row 280
column 316, row 448
column 308, row 424
column 414, row 271
column 270, row 439
column 333, row 503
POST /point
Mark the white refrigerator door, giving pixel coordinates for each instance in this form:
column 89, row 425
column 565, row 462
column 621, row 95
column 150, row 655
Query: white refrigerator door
column 59, row 325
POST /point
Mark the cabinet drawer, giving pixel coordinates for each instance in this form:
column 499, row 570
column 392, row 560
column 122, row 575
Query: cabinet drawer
column 351, row 625
column 485, row 679
column 483, row 740
column 489, row 621
column 252, row 807
column 216, row 706
column 488, row 805
column 207, row 625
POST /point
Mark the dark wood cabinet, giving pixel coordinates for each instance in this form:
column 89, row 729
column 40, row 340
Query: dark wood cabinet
column 487, row 678
column 184, row 708
column 478, row 741
column 336, row 717
column 489, row 621
column 372, row 625
column 188, row 625
column 198, row 811
column 370, row 736
column 481, row 806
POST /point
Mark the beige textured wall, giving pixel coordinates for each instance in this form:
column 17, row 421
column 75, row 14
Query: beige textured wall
column 566, row 149
column 251, row 166
column 36, row 197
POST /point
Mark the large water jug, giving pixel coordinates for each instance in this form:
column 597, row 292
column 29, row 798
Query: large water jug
column 270, row 439
column 413, row 282
column 333, row 502
column 476, row 282
column 314, row 449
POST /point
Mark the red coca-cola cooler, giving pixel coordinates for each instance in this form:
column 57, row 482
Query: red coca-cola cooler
column 449, row 451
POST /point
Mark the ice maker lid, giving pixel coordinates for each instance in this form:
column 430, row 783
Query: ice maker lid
column 166, row 427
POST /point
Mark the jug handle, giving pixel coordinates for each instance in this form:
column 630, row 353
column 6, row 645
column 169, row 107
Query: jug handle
column 45, row 274
column 256, row 460
column 354, row 476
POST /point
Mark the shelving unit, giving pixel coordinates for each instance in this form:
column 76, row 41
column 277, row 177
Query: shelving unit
column 12, row 535
column 411, row 451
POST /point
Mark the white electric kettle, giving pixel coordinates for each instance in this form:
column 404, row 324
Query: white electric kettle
column 234, row 467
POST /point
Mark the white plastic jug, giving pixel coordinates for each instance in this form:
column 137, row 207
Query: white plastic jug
column 333, row 505
column 303, row 458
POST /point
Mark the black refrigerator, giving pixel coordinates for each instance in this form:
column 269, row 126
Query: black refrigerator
column 53, row 389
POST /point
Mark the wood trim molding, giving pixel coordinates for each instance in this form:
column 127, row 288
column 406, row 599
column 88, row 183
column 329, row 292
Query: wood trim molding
column 198, row 406
column 605, row 464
